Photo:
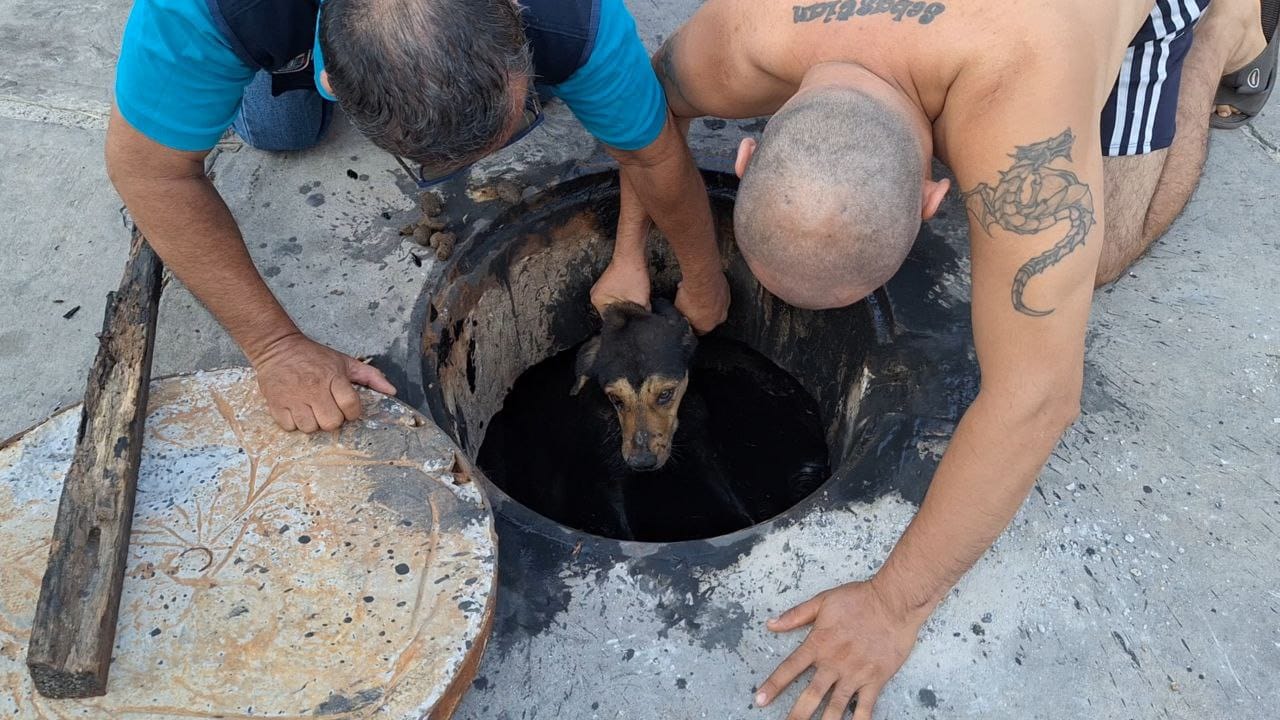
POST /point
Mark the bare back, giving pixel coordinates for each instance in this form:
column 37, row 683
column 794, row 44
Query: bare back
column 745, row 58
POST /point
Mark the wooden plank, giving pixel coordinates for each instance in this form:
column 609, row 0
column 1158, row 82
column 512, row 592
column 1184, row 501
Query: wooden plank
column 75, row 621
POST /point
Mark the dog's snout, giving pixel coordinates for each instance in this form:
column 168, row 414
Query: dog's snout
column 640, row 439
column 643, row 460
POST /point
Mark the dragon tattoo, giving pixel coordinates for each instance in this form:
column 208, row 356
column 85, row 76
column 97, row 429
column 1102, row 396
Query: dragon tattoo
column 1032, row 197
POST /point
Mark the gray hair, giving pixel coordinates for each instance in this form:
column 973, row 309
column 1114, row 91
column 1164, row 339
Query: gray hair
column 430, row 81
column 830, row 202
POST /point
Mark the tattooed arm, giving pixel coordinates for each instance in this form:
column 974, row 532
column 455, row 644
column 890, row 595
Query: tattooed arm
column 1034, row 195
column 1032, row 179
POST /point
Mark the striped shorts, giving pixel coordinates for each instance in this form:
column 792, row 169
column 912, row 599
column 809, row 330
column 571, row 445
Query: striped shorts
column 1139, row 117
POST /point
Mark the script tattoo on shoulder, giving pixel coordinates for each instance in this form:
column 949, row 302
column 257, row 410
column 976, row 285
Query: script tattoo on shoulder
column 1031, row 197
column 842, row 10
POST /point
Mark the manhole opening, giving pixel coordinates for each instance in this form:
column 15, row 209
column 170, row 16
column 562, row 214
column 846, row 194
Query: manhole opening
column 782, row 386
column 749, row 446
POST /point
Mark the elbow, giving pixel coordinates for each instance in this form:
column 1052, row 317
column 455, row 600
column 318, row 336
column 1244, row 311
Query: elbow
column 131, row 158
column 111, row 157
column 668, row 147
column 120, row 162
column 1046, row 413
column 648, row 158
column 1059, row 412
column 123, row 163
column 632, row 158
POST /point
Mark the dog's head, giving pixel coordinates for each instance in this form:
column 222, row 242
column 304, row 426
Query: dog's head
column 641, row 361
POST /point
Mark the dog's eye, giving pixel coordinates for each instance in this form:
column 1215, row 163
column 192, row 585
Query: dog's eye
column 665, row 396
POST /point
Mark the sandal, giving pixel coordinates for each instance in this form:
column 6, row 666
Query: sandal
column 1248, row 88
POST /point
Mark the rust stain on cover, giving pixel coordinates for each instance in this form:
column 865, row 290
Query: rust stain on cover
column 346, row 574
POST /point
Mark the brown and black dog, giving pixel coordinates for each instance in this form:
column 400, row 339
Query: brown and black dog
column 636, row 436
column 641, row 362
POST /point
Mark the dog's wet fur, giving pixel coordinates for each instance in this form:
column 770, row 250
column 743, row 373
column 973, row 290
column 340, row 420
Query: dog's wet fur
column 640, row 360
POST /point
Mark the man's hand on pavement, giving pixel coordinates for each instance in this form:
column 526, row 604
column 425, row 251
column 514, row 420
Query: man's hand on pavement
column 621, row 282
column 857, row 642
column 704, row 300
column 308, row 386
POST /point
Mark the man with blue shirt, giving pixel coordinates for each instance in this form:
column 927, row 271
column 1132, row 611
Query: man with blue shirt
column 440, row 84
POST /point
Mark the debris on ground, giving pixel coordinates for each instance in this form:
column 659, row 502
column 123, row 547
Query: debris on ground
column 431, row 204
column 429, row 230
column 443, row 243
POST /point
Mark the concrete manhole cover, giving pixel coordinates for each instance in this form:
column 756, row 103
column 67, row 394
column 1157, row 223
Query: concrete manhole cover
column 270, row 574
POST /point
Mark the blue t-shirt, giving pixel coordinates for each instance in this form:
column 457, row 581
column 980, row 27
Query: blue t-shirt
column 179, row 82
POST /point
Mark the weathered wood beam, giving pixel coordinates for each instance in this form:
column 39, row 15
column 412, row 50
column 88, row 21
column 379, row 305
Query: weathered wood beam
column 75, row 622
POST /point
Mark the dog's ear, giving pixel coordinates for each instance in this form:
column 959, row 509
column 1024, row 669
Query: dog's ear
column 586, row 361
column 688, row 341
column 617, row 315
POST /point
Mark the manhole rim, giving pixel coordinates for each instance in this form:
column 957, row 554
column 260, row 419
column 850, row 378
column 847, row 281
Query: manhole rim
column 892, row 342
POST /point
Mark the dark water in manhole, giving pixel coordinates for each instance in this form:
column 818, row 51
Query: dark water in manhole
column 749, row 446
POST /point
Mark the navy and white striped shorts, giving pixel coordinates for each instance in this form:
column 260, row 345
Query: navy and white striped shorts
column 1140, row 115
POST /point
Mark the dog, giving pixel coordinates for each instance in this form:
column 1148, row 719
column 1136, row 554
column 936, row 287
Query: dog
column 641, row 409
column 641, row 361
column 646, row 432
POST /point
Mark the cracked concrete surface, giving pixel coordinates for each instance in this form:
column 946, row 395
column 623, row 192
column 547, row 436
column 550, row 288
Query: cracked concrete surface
column 1138, row 581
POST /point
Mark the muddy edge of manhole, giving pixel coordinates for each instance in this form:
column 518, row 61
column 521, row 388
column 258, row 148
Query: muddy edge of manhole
column 515, row 294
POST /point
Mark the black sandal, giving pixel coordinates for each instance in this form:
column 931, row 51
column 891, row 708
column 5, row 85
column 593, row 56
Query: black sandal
column 1248, row 88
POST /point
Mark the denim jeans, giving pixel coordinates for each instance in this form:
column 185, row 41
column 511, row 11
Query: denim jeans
column 294, row 120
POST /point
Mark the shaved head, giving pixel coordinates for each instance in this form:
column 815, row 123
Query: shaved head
column 830, row 202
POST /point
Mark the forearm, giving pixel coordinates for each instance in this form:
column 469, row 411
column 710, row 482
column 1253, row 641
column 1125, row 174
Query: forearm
column 191, row 229
column 631, row 241
column 667, row 186
column 633, row 220
column 985, row 475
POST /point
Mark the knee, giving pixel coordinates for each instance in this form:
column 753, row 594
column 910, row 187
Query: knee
column 1107, row 274
column 295, row 120
column 1120, row 248
column 274, row 141
column 283, row 132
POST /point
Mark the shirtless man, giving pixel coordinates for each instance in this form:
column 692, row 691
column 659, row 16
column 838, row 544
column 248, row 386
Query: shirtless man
column 1068, row 176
